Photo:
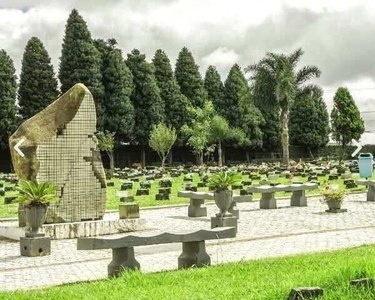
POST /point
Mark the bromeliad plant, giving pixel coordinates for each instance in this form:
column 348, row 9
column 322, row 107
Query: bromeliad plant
column 333, row 196
column 32, row 194
column 221, row 181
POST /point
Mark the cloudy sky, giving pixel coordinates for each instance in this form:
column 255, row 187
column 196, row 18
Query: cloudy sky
column 337, row 35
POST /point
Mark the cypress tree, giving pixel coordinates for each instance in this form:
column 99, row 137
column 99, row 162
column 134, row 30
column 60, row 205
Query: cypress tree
column 175, row 103
column 309, row 122
column 80, row 61
column 145, row 98
column 346, row 120
column 189, row 78
column 236, row 92
column 8, row 87
column 214, row 86
column 38, row 84
column 118, row 85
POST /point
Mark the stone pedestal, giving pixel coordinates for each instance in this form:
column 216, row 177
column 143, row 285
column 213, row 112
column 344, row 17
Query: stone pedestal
column 233, row 209
column 371, row 193
column 129, row 211
column 193, row 254
column 227, row 221
column 298, row 198
column 35, row 246
column 267, row 201
column 195, row 209
column 122, row 258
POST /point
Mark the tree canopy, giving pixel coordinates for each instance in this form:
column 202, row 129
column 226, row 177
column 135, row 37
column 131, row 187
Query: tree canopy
column 38, row 84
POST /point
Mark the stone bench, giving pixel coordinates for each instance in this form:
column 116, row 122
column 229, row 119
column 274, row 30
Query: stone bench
column 268, row 200
column 371, row 188
column 195, row 208
column 193, row 247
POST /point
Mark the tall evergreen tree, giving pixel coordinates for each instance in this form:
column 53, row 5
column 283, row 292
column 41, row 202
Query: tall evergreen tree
column 118, row 86
column 8, row 87
column 145, row 98
column 38, row 84
column 214, row 86
column 236, row 92
column 309, row 122
column 80, row 61
column 175, row 103
column 265, row 100
column 346, row 120
column 189, row 78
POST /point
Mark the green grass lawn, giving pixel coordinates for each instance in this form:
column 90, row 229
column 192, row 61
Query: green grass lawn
column 10, row 210
column 262, row 279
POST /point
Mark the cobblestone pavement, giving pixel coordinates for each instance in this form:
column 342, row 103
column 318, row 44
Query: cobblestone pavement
column 261, row 233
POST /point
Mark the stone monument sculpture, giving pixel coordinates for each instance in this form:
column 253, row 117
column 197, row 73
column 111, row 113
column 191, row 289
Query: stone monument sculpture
column 58, row 144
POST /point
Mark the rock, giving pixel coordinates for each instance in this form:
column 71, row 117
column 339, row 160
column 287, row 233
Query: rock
column 305, row 293
column 59, row 145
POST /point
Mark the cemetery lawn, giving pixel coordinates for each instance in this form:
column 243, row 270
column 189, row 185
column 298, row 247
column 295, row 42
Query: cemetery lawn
column 261, row 279
column 10, row 210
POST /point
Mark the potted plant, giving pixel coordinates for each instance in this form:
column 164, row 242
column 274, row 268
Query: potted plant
column 223, row 196
column 35, row 197
column 333, row 196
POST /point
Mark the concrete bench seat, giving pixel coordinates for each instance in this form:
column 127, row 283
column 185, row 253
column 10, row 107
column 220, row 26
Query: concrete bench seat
column 371, row 188
column 195, row 208
column 268, row 200
column 193, row 247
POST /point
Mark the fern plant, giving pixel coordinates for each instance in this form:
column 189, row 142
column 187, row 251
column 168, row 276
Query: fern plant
column 223, row 180
column 36, row 194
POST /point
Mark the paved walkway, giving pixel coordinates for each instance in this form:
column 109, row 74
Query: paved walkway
column 261, row 233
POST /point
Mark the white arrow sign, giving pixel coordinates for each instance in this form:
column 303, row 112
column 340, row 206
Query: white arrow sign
column 16, row 147
column 359, row 147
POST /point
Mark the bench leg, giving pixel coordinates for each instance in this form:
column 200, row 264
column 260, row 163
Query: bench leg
column 122, row 258
column 371, row 193
column 298, row 199
column 195, row 209
column 267, row 201
column 193, row 254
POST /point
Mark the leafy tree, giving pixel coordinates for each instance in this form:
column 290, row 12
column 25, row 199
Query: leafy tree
column 279, row 70
column 346, row 121
column 8, row 87
column 214, row 86
column 219, row 131
column 309, row 122
column 80, row 61
column 189, row 78
column 118, row 86
column 162, row 139
column 38, row 84
column 175, row 103
column 107, row 143
column 198, row 133
column 146, row 98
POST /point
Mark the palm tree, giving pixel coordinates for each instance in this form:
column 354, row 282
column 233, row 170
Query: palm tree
column 286, row 83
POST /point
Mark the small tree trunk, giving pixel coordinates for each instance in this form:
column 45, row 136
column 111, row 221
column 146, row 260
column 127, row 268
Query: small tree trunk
column 143, row 156
column 247, row 156
column 223, row 155
column 170, row 158
column 219, row 153
column 310, row 153
column 111, row 163
column 285, row 135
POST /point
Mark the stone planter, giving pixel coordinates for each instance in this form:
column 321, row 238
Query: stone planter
column 223, row 200
column 35, row 218
column 333, row 204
